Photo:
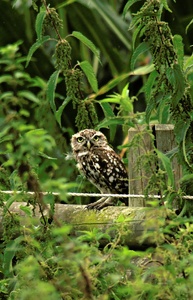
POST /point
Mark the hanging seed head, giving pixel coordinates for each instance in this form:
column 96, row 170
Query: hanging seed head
column 63, row 55
column 52, row 19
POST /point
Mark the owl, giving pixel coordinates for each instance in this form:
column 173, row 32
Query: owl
column 99, row 163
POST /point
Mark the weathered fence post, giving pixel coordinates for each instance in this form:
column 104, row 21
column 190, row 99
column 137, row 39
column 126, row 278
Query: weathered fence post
column 165, row 142
column 162, row 137
column 138, row 177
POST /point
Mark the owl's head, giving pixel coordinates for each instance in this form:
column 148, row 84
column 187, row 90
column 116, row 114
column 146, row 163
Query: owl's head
column 88, row 139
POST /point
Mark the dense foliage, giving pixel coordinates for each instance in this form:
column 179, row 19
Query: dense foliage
column 79, row 67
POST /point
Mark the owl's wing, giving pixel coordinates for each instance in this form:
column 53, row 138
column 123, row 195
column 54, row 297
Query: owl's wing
column 108, row 173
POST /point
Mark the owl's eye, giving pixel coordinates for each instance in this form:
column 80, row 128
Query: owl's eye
column 96, row 138
column 80, row 139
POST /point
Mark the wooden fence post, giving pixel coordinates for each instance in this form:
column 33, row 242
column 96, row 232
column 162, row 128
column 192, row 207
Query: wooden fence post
column 138, row 177
column 164, row 141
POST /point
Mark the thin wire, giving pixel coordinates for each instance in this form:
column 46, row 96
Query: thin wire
column 94, row 195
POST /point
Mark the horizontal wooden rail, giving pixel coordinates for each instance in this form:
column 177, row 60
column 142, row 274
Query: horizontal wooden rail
column 108, row 220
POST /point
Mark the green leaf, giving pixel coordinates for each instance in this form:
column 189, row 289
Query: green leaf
column 10, row 201
column 109, row 16
column 6, row 78
column 165, row 5
column 112, row 83
column 29, row 95
column 26, row 209
column 115, row 81
column 10, row 251
column 188, row 63
column 179, row 48
column 39, row 23
column 186, row 128
column 51, row 87
column 108, row 122
column 180, row 130
column 114, row 121
column 107, row 109
column 89, row 72
column 149, row 84
column 163, row 109
column 128, row 5
column 6, row 95
column 34, row 47
column 189, row 24
column 136, row 32
column 112, row 99
column 87, row 42
column 143, row 47
column 108, row 112
column 177, row 80
column 46, row 156
column 168, row 168
column 58, row 113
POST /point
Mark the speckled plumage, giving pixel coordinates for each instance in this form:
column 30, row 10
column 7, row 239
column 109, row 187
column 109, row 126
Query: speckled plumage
column 100, row 165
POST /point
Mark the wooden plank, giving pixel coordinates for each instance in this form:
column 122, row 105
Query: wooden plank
column 109, row 220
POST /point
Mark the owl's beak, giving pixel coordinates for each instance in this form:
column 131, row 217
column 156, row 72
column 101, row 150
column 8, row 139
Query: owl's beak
column 88, row 145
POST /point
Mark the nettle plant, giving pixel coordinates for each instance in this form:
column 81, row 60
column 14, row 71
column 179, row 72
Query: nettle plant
column 168, row 89
column 72, row 75
column 78, row 77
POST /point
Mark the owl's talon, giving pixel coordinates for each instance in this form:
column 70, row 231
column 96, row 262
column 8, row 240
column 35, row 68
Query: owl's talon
column 102, row 203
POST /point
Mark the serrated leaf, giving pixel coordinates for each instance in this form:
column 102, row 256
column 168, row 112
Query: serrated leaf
column 136, row 32
column 34, row 47
column 89, row 72
column 176, row 79
column 51, row 87
column 143, row 47
column 149, row 84
column 59, row 112
column 168, row 168
column 87, row 42
column 151, row 105
column 163, row 110
column 179, row 48
column 180, row 130
column 39, row 23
